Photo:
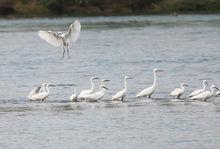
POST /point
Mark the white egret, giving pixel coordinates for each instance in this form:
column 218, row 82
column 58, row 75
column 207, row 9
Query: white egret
column 121, row 94
column 179, row 91
column 87, row 92
column 62, row 40
column 97, row 95
column 34, row 91
column 206, row 94
column 73, row 97
column 150, row 90
column 44, row 94
column 196, row 92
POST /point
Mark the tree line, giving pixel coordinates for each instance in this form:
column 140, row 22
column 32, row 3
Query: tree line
column 105, row 7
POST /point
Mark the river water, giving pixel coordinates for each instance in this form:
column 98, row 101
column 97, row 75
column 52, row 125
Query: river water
column 186, row 47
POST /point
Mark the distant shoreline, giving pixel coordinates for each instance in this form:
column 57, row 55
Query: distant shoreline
column 85, row 8
column 13, row 16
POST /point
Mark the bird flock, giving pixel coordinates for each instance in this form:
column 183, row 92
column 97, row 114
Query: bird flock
column 42, row 92
column 63, row 41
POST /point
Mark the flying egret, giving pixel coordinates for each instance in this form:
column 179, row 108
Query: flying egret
column 150, row 90
column 206, row 94
column 62, row 40
column 196, row 92
column 97, row 95
column 44, row 94
column 121, row 94
column 178, row 91
column 87, row 92
column 73, row 97
column 34, row 91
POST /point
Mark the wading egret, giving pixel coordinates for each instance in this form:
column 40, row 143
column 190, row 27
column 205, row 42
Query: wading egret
column 206, row 94
column 121, row 94
column 197, row 92
column 150, row 90
column 97, row 95
column 44, row 94
column 62, row 40
column 178, row 91
column 73, row 97
column 87, row 92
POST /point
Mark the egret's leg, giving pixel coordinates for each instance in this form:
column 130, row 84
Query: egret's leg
column 63, row 53
column 122, row 99
column 67, row 49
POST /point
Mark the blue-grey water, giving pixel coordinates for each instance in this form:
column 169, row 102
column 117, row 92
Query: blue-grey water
column 186, row 47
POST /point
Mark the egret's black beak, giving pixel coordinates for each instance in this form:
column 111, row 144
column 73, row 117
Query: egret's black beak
column 106, row 80
column 65, row 85
column 217, row 88
column 130, row 78
column 187, row 85
column 96, row 78
column 206, row 83
column 105, row 87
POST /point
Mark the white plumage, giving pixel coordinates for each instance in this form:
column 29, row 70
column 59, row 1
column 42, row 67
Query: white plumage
column 34, row 91
column 121, row 94
column 73, row 97
column 217, row 93
column 97, row 95
column 206, row 94
column 87, row 92
column 62, row 40
column 150, row 90
column 178, row 91
column 196, row 92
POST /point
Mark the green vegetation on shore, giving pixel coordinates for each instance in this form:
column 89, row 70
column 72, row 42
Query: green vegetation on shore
column 105, row 7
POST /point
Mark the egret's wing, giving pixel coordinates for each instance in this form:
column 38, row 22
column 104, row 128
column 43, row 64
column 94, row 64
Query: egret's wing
column 118, row 95
column 73, row 33
column 95, row 96
column 196, row 92
column 34, row 92
column 51, row 37
column 201, row 96
column 39, row 96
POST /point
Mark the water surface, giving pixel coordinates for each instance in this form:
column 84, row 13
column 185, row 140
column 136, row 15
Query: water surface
column 185, row 47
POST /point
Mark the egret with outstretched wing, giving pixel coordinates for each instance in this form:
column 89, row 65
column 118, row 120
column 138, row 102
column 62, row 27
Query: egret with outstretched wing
column 62, row 40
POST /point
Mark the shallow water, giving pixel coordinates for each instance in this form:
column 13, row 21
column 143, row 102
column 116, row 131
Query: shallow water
column 185, row 47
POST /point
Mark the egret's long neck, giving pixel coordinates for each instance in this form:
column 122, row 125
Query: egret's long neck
column 44, row 88
column 182, row 87
column 155, row 79
column 204, row 86
column 47, row 90
column 125, row 82
column 103, row 90
column 92, row 83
